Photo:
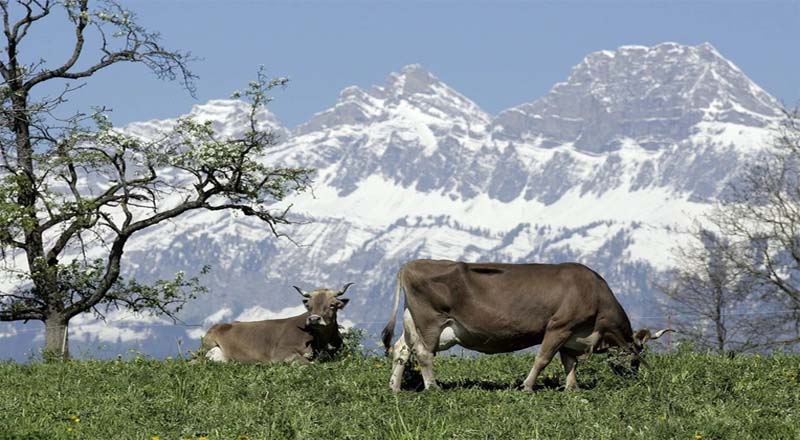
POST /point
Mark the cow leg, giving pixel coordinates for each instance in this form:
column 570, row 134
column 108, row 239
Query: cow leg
column 553, row 339
column 401, row 351
column 400, row 355
column 297, row 358
column 425, row 358
column 423, row 345
column 570, row 363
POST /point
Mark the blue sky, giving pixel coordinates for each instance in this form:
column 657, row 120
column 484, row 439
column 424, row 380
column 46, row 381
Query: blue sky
column 499, row 54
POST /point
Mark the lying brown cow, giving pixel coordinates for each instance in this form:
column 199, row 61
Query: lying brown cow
column 497, row 308
column 300, row 338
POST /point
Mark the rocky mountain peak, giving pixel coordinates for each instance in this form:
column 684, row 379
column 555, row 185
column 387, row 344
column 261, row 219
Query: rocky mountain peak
column 412, row 79
column 228, row 116
column 352, row 93
column 412, row 91
column 653, row 95
column 696, row 75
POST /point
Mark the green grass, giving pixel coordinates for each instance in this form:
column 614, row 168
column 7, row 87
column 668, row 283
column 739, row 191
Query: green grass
column 680, row 397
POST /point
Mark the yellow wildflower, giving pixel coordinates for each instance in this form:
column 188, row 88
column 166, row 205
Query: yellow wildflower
column 155, row 437
column 698, row 436
column 75, row 419
column 244, row 437
column 69, row 428
column 202, row 437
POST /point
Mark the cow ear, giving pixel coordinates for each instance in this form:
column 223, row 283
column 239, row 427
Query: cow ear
column 642, row 336
column 344, row 302
column 305, row 302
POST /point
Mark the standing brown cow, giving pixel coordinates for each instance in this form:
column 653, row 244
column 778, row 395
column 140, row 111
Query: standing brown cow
column 496, row 308
column 300, row 338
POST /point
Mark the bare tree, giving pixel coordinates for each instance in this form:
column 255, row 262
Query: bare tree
column 710, row 298
column 751, row 264
column 761, row 219
column 74, row 190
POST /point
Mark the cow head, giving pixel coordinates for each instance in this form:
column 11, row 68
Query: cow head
column 639, row 339
column 322, row 305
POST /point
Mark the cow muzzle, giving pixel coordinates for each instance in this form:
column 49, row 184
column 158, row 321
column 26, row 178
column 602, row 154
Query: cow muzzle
column 315, row 321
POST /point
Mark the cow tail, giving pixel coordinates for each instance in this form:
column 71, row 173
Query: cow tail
column 388, row 332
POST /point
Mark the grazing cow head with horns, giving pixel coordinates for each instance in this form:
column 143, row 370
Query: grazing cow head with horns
column 323, row 304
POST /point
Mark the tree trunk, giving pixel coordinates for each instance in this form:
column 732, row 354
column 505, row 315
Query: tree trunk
column 56, row 343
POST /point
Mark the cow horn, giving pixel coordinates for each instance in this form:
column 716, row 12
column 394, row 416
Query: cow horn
column 306, row 295
column 344, row 289
column 660, row 333
column 645, row 335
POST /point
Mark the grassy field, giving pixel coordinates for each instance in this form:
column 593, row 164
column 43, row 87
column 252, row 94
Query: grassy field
column 682, row 396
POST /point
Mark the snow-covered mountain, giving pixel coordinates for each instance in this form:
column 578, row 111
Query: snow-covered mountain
column 605, row 169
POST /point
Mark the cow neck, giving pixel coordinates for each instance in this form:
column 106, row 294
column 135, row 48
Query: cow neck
column 322, row 337
column 323, row 333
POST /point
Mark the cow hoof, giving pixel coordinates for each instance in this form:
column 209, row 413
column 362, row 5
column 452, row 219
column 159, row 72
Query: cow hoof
column 432, row 386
